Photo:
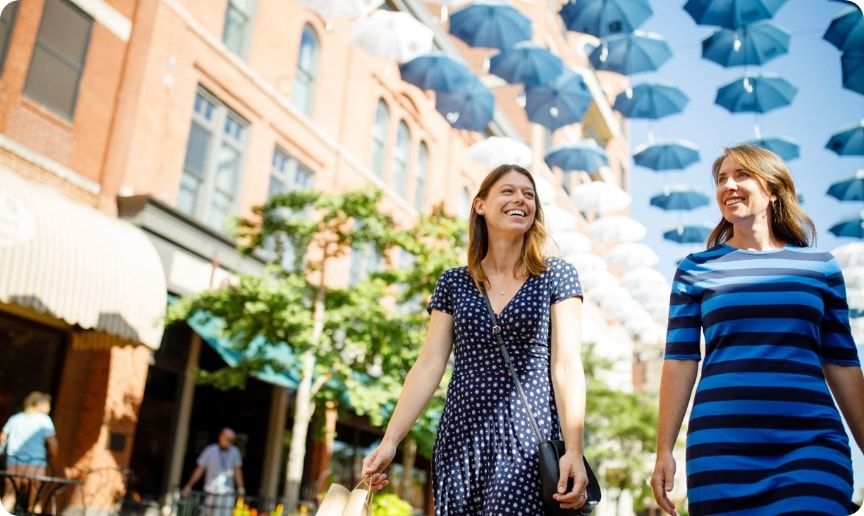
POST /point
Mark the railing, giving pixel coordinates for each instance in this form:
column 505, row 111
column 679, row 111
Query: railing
column 199, row 503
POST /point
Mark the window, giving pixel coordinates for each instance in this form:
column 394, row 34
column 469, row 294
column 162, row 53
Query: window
column 364, row 260
column 400, row 158
column 379, row 137
column 422, row 170
column 58, row 57
column 7, row 21
column 307, row 70
column 286, row 174
column 237, row 31
column 213, row 165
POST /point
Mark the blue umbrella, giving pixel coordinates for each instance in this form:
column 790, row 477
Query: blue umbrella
column 846, row 31
column 631, row 53
column 849, row 141
column 603, row 18
column 756, row 94
column 731, row 14
column 436, row 71
column 852, row 66
column 779, row 145
column 680, row 198
column 585, row 155
column 688, row 234
column 526, row 63
column 851, row 189
column 559, row 103
column 651, row 101
column 751, row 45
column 469, row 108
column 490, row 25
column 853, row 228
column 675, row 155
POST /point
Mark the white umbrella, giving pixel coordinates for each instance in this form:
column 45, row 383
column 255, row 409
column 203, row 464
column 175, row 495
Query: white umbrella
column 330, row 9
column 631, row 255
column 645, row 280
column 850, row 255
column 616, row 229
column 854, row 277
column 558, row 219
column 610, row 299
column 600, row 197
column 500, row 150
column 597, row 279
column 594, row 324
column 546, row 191
column 392, row 35
column 568, row 242
column 586, row 262
column 857, row 329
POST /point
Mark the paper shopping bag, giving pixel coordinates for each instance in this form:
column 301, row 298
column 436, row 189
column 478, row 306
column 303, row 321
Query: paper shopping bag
column 358, row 503
column 334, row 501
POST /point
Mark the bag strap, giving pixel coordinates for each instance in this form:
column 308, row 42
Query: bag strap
column 496, row 331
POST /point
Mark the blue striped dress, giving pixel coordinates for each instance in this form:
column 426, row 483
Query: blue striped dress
column 764, row 436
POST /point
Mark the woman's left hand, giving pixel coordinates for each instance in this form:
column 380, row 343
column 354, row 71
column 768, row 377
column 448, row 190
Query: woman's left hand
column 572, row 467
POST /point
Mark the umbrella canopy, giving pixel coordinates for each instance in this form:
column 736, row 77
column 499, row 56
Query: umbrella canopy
column 586, row 262
column 846, row 31
column 562, row 102
column 675, row 155
column 468, row 108
column 731, row 14
column 782, row 146
column 851, row 189
column 526, row 63
column 491, row 25
column 500, row 150
column 616, row 229
column 644, row 280
column 568, row 242
column 436, row 71
column 650, row 100
column 603, row 18
column 852, row 68
column 330, row 9
column 849, row 141
column 598, row 279
column 745, row 46
column 546, row 191
column 558, row 219
column 756, row 94
column 851, row 228
column 689, row 234
column 850, row 255
column 599, row 197
column 631, row 255
column 631, row 53
column 680, row 197
column 392, row 35
column 585, row 155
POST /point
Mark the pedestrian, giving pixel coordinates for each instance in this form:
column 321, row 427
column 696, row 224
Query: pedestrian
column 485, row 457
column 764, row 435
column 221, row 466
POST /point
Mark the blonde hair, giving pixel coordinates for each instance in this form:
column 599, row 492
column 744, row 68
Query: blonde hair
column 789, row 222
column 533, row 244
column 35, row 398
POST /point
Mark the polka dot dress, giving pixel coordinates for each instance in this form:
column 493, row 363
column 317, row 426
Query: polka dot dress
column 485, row 456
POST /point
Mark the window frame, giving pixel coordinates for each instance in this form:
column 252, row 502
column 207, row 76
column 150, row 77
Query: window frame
column 308, row 77
column 421, row 175
column 400, row 159
column 4, row 42
column 246, row 40
column 380, row 139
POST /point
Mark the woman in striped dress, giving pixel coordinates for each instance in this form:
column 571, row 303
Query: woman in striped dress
column 764, row 436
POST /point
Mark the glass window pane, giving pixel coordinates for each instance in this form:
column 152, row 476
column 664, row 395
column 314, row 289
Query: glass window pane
column 204, row 107
column 7, row 18
column 52, row 82
column 65, row 30
column 220, row 211
column 188, row 195
column 303, row 178
column 400, row 158
column 420, row 187
column 233, row 34
column 227, row 169
column 379, row 137
column 196, row 150
column 244, row 6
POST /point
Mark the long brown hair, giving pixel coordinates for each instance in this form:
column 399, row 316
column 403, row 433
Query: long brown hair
column 533, row 244
column 789, row 222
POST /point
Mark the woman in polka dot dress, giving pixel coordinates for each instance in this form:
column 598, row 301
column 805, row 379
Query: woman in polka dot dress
column 485, row 458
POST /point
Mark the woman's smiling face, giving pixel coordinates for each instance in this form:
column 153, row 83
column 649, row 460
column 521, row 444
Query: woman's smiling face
column 740, row 195
column 511, row 204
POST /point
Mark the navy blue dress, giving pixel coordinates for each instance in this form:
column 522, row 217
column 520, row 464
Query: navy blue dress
column 764, row 435
column 485, row 456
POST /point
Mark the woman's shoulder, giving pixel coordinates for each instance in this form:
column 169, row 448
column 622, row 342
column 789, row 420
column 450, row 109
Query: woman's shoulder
column 454, row 274
column 556, row 265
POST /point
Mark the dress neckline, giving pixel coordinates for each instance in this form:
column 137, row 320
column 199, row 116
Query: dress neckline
column 756, row 251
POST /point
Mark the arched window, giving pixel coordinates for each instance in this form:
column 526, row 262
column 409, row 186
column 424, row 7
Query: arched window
column 379, row 137
column 421, row 171
column 400, row 158
column 307, row 70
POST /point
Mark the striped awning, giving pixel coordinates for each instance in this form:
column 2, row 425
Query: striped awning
column 68, row 260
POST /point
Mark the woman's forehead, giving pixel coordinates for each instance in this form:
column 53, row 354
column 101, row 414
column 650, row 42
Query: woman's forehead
column 514, row 178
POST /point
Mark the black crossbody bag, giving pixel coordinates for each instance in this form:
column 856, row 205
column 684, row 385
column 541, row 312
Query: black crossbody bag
column 550, row 450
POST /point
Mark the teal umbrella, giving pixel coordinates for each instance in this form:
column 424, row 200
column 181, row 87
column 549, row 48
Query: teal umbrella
column 680, row 198
column 849, row 141
column 674, row 155
column 688, row 234
column 585, row 155
column 851, row 189
column 650, row 100
column 851, row 228
column 731, row 14
column 746, row 46
column 526, row 63
column 846, row 31
column 603, row 18
column 758, row 94
column 562, row 102
column 782, row 146
column 490, row 25
column 468, row 108
column 631, row 53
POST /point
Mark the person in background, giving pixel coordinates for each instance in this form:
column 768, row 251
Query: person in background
column 221, row 466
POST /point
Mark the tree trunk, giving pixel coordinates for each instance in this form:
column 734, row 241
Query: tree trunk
column 409, row 455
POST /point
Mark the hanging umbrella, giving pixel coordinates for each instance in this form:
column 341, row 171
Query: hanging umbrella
column 756, row 94
column 586, row 262
column 746, row 46
column 851, row 189
column 597, row 279
column 688, row 234
column 436, row 71
column 849, row 141
column 526, row 63
column 782, row 146
column 651, row 101
column 679, row 198
column 599, row 197
column 644, row 280
column 631, row 53
column 731, row 14
column 846, row 31
column 330, row 9
column 446, row 5
column 850, row 255
column 491, row 25
column 603, row 18
column 631, row 256
column 851, row 228
column 585, row 155
column 545, row 190
column 852, row 68
column 500, row 150
column 468, row 108
column 561, row 102
column 558, row 219
column 674, row 155
column 568, row 242
column 392, row 35
column 616, row 229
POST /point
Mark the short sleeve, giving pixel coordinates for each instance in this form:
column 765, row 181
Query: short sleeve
column 238, row 459
column 442, row 297
column 48, row 428
column 564, row 281
column 204, row 458
column 838, row 346
column 685, row 322
column 8, row 425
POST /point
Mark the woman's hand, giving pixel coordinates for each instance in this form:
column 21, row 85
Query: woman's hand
column 663, row 480
column 571, row 466
column 376, row 462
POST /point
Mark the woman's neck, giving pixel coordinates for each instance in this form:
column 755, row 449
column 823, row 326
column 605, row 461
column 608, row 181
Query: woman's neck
column 503, row 255
column 758, row 237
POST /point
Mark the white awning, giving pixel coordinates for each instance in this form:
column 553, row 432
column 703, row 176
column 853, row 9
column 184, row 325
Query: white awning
column 77, row 264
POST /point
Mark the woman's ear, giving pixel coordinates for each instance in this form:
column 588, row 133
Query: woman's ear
column 478, row 207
